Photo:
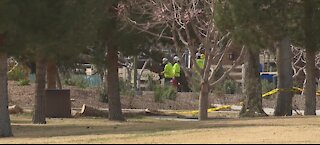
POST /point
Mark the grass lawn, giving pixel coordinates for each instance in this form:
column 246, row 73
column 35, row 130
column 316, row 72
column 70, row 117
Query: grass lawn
column 148, row 130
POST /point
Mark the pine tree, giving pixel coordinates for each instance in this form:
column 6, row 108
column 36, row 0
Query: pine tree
column 6, row 14
column 279, row 22
column 115, row 37
column 51, row 31
column 311, row 29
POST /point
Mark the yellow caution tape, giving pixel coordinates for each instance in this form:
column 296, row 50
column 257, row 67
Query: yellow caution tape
column 294, row 89
column 301, row 90
column 219, row 108
column 272, row 92
column 297, row 89
column 209, row 110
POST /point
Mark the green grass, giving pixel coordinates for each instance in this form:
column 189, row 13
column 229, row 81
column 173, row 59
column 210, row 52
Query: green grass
column 149, row 130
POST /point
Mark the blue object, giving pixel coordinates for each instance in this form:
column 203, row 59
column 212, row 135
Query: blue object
column 260, row 68
column 268, row 77
column 93, row 80
column 32, row 78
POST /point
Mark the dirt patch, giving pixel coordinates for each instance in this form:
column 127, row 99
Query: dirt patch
column 24, row 95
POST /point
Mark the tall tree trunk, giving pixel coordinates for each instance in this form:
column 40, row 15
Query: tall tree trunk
column 310, row 87
column 115, row 110
column 310, row 43
column 204, row 92
column 39, row 116
column 5, row 123
column 51, row 75
column 203, row 103
column 285, row 79
column 252, row 106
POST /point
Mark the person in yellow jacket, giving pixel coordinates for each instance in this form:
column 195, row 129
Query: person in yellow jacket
column 177, row 73
column 200, row 60
column 167, row 71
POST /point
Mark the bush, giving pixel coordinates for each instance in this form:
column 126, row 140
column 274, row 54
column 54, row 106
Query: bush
column 24, row 82
column 103, row 96
column 195, row 84
column 218, row 90
column 151, row 84
column 230, row 87
column 17, row 74
column 77, row 81
column 126, row 88
column 266, row 86
column 165, row 92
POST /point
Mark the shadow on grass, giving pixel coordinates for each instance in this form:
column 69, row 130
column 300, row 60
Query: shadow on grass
column 100, row 126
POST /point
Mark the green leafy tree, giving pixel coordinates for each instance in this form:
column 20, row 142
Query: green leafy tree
column 114, row 37
column 282, row 23
column 242, row 19
column 7, row 12
column 50, row 31
column 310, row 41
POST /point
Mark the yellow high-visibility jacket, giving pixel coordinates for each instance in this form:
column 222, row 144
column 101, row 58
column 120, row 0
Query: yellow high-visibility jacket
column 176, row 70
column 200, row 63
column 168, row 69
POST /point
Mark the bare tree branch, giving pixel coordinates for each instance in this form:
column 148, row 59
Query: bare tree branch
column 224, row 76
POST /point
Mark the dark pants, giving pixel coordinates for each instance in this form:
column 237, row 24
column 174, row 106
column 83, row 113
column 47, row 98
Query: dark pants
column 179, row 83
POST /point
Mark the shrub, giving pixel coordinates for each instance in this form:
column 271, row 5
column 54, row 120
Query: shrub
column 77, row 81
column 165, row 92
column 69, row 82
column 219, row 90
column 17, row 74
column 195, row 84
column 230, row 87
column 151, row 84
column 103, row 96
column 24, row 82
column 126, row 88
column 266, row 86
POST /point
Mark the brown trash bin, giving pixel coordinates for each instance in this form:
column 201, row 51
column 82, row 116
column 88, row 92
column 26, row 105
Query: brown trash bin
column 58, row 104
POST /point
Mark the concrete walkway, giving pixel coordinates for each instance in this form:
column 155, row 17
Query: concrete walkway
column 270, row 111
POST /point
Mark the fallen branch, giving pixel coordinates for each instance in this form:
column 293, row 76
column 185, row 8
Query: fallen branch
column 13, row 68
column 89, row 111
column 15, row 109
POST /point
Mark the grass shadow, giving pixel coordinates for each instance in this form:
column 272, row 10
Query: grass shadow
column 144, row 126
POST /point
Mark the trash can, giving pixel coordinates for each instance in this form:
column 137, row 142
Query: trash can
column 267, row 77
column 275, row 81
column 58, row 104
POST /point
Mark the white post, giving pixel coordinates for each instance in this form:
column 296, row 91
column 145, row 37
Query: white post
column 243, row 77
column 189, row 60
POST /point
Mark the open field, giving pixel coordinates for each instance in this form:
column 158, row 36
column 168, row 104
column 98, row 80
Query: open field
column 149, row 130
